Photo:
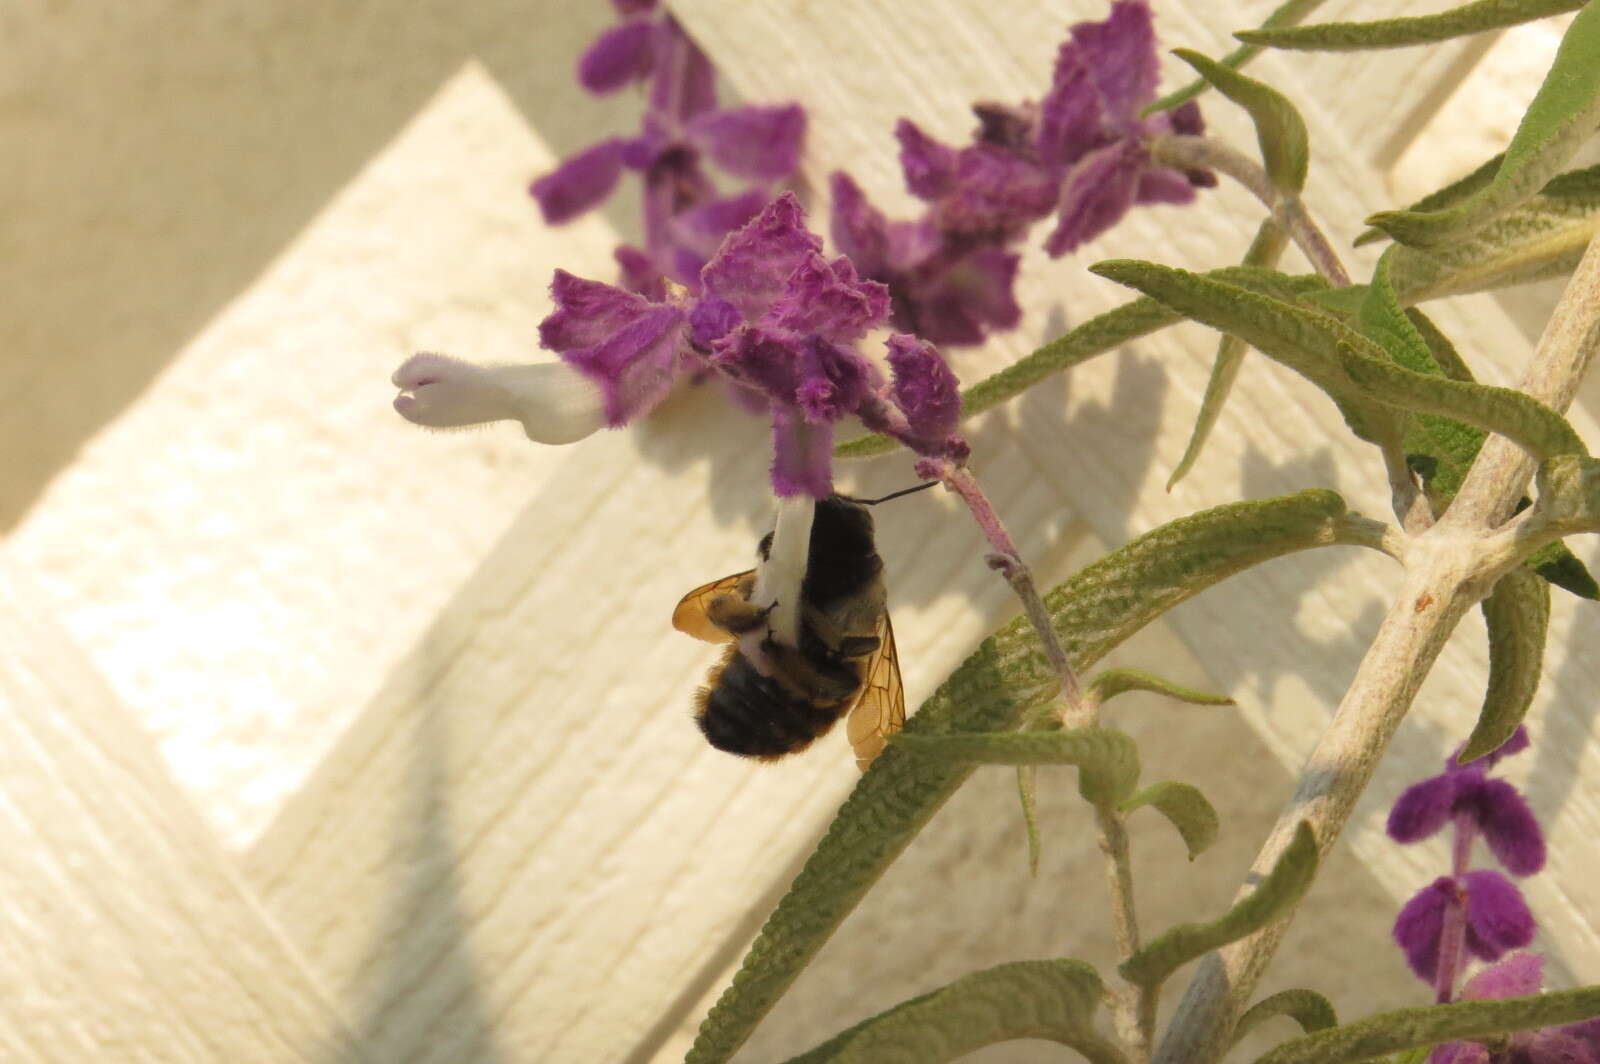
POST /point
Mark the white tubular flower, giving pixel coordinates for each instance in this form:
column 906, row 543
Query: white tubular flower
column 555, row 402
column 779, row 580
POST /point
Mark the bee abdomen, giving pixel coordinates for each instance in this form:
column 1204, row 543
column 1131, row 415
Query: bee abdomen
column 752, row 715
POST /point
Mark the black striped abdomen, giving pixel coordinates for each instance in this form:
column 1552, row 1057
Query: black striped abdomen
column 746, row 713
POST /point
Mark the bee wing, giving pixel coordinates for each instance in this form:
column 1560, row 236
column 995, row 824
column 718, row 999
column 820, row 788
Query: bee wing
column 880, row 708
column 690, row 615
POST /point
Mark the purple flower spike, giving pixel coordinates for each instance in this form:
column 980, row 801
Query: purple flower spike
column 827, row 298
column 1120, row 54
column 618, row 56
column 1521, row 975
column 1097, row 194
column 754, row 264
column 930, row 167
column 758, row 143
column 629, row 347
column 1498, row 920
column 579, row 183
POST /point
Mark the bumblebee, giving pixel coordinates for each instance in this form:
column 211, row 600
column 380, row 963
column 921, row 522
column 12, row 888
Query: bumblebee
column 765, row 698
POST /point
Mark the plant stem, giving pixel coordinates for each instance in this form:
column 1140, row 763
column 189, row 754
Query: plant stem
column 1203, row 153
column 1076, row 712
column 1450, row 567
column 1139, row 1021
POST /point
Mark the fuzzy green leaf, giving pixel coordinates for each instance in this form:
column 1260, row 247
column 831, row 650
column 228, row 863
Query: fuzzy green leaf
column 1113, row 682
column 996, row 688
column 1401, row 32
column 1349, row 367
column 1107, row 759
column 1433, row 1025
column 1287, row 14
column 1309, row 1009
column 1556, row 564
column 1518, row 616
column 1055, row 1000
column 1285, row 144
column 1265, row 250
column 1561, row 117
column 1454, row 192
column 1100, row 334
column 1283, row 887
column 1026, row 794
column 1188, row 810
column 1541, row 238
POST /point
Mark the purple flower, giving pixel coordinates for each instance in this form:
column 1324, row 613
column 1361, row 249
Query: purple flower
column 1521, row 975
column 1465, row 794
column 1497, row 919
column 683, row 129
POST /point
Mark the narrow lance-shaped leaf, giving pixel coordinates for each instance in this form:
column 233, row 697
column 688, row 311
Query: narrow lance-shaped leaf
column 1287, row 14
column 1563, row 115
column 1265, row 250
column 1027, row 795
column 1100, row 334
column 1433, row 1025
column 1107, row 759
column 1309, row 1009
column 1188, row 810
column 1518, row 617
column 1285, row 144
column 1113, row 682
column 1400, row 32
column 1541, row 238
column 1351, row 368
column 1274, row 896
column 1454, row 192
column 1005, row 679
column 1055, row 1000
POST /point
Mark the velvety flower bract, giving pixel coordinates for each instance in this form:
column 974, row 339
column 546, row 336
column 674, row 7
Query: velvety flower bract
column 1497, row 919
column 1521, row 975
column 581, row 182
column 620, row 55
column 1421, row 922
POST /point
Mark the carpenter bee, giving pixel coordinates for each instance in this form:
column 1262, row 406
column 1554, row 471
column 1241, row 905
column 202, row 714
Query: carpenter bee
column 767, row 698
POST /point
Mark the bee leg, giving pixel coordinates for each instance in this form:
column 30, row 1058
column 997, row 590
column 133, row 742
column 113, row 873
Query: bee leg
column 734, row 614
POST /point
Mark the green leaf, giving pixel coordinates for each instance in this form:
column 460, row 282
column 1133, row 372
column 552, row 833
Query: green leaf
column 1561, row 117
column 1541, row 238
column 1518, row 616
column 1283, row 887
column 1027, row 999
column 1309, row 1009
column 1030, row 814
column 1004, row 680
column 1107, row 759
column 1285, row 144
column 1287, row 14
column 1100, row 334
column 1265, row 250
column 1113, row 682
column 1432, row 1025
column 1454, row 192
column 1401, row 32
column 1185, row 807
column 1557, row 564
column 1353, row 370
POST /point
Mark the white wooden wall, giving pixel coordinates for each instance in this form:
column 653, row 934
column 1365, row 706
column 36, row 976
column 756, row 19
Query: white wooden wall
column 323, row 739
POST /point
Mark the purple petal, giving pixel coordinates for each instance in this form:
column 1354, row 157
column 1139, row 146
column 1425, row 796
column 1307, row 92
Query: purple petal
column 997, row 191
column 1508, row 825
column 802, row 454
column 1420, row 923
column 752, row 267
column 1164, row 186
column 833, row 381
column 826, row 299
column 1422, row 809
column 1518, row 975
column 976, row 289
column 1555, row 1045
column 587, row 312
column 926, row 391
column 618, row 56
column 579, row 183
column 633, row 7
column 857, row 227
column 702, row 229
column 1120, row 54
column 758, row 143
column 711, row 319
column 1186, row 120
column 1006, row 125
column 1098, row 193
column 640, row 273
column 1072, row 117
column 1587, row 1035
column 1498, row 919
column 913, row 243
column 635, row 365
column 930, row 167
column 1459, row 1053
column 766, row 360
column 685, row 83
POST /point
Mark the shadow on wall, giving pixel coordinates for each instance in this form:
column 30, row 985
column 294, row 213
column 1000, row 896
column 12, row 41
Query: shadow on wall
column 163, row 155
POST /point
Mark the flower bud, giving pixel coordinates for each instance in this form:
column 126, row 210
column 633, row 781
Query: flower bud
column 555, row 402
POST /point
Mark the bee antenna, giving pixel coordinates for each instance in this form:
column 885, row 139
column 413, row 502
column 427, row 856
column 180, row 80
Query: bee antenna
column 892, row 495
